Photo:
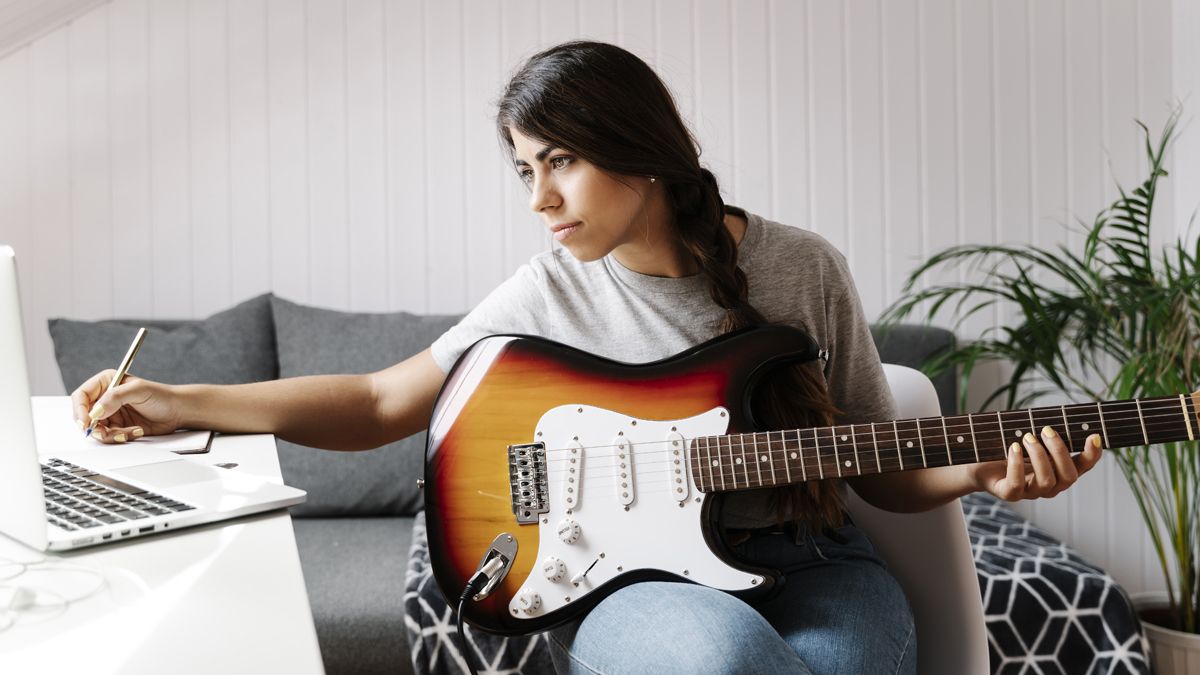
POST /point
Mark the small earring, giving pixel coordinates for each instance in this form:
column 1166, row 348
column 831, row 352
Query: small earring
column 652, row 179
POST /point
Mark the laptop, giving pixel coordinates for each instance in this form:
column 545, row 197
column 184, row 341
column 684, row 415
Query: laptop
column 59, row 501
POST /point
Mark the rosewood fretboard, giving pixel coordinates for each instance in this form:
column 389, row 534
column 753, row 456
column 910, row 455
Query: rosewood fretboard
column 772, row 458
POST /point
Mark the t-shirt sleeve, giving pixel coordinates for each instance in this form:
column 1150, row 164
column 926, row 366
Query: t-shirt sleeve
column 854, row 373
column 514, row 307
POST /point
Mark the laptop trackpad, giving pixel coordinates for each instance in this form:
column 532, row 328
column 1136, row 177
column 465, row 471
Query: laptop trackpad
column 170, row 473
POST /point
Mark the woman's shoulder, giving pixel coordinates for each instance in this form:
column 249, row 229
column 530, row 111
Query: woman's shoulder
column 793, row 245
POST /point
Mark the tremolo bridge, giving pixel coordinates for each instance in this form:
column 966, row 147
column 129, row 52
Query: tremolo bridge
column 528, row 481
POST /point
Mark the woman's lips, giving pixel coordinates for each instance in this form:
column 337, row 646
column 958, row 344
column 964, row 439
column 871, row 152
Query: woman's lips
column 563, row 233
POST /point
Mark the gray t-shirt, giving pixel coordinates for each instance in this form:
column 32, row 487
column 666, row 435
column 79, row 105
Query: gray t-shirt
column 796, row 277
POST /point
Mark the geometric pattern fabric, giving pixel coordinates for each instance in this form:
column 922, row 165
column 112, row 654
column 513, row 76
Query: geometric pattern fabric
column 1047, row 610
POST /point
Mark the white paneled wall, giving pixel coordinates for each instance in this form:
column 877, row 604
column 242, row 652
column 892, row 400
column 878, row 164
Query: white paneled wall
column 168, row 158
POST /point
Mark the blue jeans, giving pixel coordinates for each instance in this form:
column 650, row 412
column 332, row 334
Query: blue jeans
column 839, row 611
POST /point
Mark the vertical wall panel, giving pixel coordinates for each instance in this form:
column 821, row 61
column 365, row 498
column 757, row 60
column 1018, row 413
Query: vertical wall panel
column 129, row 159
column 329, row 233
column 208, row 90
column 287, row 108
column 405, row 140
column 485, row 170
column 366, row 157
column 249, row 170
column 170, row 158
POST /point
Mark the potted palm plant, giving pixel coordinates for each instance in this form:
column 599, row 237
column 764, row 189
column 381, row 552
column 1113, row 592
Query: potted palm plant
column 1079, row 312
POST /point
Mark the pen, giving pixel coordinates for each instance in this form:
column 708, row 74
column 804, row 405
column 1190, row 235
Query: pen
column 121, row 370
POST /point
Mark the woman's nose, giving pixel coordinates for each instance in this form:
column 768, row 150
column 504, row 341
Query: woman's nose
column 543, row 195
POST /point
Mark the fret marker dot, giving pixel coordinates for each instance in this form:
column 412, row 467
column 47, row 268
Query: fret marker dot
column 793, row 455
column 1017, row 433
column 843, row 437
column 716, row 462
column 847, row 464
column 738, row 460
column 763, row 458
column 909, row 444
column 1084, row 426
column 960, row 439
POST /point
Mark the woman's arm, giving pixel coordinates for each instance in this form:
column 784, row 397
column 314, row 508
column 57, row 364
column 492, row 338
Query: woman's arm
column 336, row 412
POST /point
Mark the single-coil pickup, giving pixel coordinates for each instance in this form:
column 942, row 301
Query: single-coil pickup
column 677, row 467
column 573, row 476
column 623, row 461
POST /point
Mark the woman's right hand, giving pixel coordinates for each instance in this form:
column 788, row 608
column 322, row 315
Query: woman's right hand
column 135, row 408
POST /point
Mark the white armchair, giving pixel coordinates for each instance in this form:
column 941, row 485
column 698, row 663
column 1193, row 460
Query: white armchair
column 930, row 555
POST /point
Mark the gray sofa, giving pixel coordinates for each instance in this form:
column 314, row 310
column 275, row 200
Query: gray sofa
column 355, row 531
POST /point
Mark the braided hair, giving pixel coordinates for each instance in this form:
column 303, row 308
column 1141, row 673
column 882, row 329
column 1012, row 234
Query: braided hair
column 609, row 107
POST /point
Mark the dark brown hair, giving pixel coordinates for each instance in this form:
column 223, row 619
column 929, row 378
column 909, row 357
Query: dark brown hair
column 607, row 106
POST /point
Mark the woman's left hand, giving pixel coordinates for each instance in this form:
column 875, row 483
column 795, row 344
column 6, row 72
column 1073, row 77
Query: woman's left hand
column 1037, row 467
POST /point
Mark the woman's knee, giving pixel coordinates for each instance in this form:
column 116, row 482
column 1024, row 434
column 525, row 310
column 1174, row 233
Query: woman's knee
column 672, row 627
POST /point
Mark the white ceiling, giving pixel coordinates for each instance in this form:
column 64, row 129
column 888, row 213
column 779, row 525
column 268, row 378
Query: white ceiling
column 23, row 21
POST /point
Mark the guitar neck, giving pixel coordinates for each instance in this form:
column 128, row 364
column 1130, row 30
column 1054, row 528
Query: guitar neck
column 773, row 458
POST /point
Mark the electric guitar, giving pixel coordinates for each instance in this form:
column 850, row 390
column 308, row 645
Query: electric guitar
column 575, row 475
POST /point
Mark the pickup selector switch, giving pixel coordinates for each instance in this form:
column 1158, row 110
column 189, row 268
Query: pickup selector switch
column 569, row 531
column 554, row 568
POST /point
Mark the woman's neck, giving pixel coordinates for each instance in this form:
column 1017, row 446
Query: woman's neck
column 657, row 252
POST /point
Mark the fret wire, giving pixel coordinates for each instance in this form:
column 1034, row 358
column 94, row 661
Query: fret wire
column 974, row 443
column 1142, row 420
column 836, row 461
column 754, row 456
column 921, row 442
column 946, row 435
column 817, row 450
column 1187, row 417
column 787, row 467
column 721, row 461
column 854, row 444
column 1067, row 427
column 1103, row 428
column 1003, row 440
column 875, row 442
column 742, row 464
column 709, row 463
column 771, row 456
column 800, row 453
column 899, row 454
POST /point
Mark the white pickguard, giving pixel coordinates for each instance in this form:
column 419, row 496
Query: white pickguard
column 655, row 531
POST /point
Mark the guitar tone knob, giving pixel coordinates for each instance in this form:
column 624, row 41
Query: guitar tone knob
column 569, row 531
column 529, row 602
column 554, row 569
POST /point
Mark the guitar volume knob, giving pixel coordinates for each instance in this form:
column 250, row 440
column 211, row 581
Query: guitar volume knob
column 529, row 602
column 554, row 569
column 569, row 531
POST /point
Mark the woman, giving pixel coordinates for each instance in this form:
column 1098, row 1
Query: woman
column 652, row 262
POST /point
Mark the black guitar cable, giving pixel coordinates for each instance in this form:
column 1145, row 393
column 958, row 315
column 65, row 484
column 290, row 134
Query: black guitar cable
column 475, row 585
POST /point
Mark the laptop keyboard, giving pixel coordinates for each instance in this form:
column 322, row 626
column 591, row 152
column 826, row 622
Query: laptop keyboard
column 79, row 498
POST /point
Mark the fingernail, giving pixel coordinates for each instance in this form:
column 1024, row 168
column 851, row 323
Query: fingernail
column 97, row 412
column 120, row 438
column 1029, row 438
column 1047, row 432
column 1015, row 449
column 138, row 433
column 82, row 426
column 1095, row 440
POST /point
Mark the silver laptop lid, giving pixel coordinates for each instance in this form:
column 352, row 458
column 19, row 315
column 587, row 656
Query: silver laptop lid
column 22, row 506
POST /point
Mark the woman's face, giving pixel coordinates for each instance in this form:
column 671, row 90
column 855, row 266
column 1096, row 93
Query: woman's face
column 590, row 212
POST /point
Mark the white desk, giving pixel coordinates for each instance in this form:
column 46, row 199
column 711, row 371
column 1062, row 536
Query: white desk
column 221, row 598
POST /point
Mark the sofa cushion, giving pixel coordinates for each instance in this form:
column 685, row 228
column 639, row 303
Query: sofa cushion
column 912, row 345
column 230, row 347
column 313, row 341
column 354, row 569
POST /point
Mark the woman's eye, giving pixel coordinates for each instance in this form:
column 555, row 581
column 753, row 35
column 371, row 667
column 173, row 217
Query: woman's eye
column 557, row 164
column 525, row 175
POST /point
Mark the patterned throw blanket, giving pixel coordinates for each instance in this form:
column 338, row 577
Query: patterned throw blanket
column 1047, row 609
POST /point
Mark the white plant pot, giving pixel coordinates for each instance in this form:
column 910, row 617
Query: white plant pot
column 1172, row 652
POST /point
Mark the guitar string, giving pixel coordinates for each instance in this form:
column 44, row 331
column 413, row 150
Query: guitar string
column 911, row 428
